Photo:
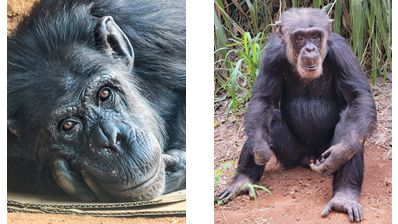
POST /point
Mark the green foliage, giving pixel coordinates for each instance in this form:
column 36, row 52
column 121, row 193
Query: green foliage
column 365, row 24
column 252, row 189
column 240, row 70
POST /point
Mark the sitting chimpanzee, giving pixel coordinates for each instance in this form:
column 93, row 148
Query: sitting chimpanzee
column 310, row 100
column 96, row 99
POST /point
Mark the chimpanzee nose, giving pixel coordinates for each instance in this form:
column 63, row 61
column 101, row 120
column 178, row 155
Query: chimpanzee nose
column 108, row 136
column 310, row 48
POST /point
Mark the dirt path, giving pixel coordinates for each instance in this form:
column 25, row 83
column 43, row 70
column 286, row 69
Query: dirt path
column 299, row 195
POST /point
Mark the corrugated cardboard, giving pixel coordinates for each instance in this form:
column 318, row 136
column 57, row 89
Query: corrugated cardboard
column 170, row 204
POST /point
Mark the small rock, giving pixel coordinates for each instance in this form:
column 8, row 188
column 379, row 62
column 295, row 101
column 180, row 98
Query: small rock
column 298, row 219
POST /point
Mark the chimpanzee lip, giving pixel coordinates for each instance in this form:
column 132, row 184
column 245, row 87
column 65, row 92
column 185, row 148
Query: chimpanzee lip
column 310, row 67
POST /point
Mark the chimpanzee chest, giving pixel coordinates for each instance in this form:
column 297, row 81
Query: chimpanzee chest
column 311, row 111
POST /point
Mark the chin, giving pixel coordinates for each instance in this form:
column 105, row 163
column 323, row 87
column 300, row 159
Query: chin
column 309, row 73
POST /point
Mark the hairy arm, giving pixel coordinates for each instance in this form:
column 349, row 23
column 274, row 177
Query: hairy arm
column 266, row 92
column 358, row 119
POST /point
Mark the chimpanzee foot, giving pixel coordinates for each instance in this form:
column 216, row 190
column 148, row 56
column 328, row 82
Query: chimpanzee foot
column 70, row 181
column 346, row 202
column 237, row 186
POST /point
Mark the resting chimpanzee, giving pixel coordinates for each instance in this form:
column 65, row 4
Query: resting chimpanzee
column 310, row 100
column 96, row 99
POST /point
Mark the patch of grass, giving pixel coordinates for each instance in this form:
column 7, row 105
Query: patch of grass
column 252, row 189
column 240, row 70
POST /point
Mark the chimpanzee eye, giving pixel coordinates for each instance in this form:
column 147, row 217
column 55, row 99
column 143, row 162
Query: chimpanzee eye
column 299, row 39
column 68, row 125
column 104, row 94
column 315, row 36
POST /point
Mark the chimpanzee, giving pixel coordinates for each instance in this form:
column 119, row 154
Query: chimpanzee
column 96, row 99
column 310, row 100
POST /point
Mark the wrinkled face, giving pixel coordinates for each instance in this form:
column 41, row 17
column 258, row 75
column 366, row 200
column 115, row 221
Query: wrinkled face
column 103, row 136
column 309, row 50
column 105, row 139
column 82, row 113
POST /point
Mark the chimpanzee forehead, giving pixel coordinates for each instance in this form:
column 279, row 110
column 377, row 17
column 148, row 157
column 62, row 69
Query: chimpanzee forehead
column 304, row 18
column 307, row 30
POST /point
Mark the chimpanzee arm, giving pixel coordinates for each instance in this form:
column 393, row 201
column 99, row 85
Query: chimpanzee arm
column 174, row 157
column 266, row 95
column 266, row 92
column 358, row 119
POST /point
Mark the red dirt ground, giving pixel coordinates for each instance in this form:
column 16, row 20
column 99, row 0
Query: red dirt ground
column 299, row 195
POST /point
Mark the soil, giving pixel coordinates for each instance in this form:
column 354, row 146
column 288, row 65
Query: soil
column 16, row 10
column 299, row 194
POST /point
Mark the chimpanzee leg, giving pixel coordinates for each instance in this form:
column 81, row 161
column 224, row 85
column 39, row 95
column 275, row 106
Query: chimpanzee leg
column 347, row 184
column 287, row 148
column 252, row 159
column 247, row 172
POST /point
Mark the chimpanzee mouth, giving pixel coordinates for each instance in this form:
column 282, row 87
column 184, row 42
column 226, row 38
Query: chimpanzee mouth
column 310, row 67
column 89, row 183
column 145, row 189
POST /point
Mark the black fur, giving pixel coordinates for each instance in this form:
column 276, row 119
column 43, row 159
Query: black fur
column 53, row 50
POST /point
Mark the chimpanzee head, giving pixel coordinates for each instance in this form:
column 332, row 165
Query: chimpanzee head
column 305, row 32
column 74, row 103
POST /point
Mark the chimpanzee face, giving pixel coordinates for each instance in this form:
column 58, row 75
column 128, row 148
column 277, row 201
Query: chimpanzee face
column 308, row 44
column 92, row 124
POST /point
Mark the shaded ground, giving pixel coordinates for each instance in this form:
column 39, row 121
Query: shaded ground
column 299, row 195
column 16, row 9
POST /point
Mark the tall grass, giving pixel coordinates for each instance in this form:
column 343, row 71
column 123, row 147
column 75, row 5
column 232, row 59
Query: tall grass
column 241, row 27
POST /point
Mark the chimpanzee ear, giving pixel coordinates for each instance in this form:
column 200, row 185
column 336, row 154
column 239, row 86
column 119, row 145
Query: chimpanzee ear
column 330, row 21
column 111, row 39
column 279, row 28
column 12, row 127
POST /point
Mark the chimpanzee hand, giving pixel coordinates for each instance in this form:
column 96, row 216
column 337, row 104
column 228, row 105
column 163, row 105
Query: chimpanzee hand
column 175, row 162
column 333, row 158
column 261, row 151
column 347, row 202
column 237, row 186
column 70, row 181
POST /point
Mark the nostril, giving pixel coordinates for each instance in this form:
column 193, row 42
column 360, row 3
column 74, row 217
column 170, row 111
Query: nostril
column 310, row 49
column 118, row 139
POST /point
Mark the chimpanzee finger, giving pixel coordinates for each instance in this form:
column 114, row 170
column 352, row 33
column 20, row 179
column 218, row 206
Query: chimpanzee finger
column 350, row 214
column 227, row 195
column 357, row 214
column 326, row 211
column 321, row 168
column 169, row 160
column 326, row 153
column 68, row 181
column 360, row 214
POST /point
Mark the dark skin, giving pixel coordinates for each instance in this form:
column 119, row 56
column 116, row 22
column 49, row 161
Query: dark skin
column 96, row 104
column 310, row 100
